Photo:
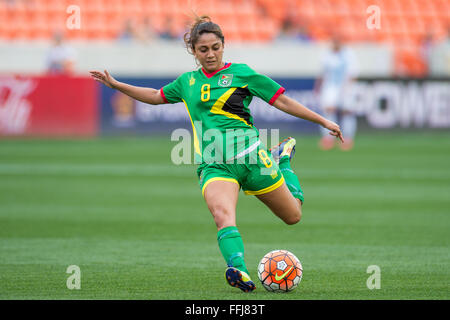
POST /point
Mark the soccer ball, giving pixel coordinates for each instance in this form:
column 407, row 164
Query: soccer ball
column 280, row 271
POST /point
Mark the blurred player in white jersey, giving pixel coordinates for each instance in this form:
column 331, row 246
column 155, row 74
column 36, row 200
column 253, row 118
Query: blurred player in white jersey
column 338, row 71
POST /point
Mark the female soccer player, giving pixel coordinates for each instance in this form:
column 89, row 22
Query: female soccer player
column 216, row 97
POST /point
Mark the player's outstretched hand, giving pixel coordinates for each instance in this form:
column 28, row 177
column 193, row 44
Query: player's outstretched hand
column 104, row 78
column 335, row 130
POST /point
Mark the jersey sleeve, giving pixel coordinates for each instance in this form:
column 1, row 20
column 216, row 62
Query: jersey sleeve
column 172, row 92
column 263, row 87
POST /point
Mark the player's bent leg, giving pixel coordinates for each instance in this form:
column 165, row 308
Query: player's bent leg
column 284, row 152
column 283, row 204
column 289, row 191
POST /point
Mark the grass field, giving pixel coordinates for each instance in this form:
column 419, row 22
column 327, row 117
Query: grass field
column 138, row 228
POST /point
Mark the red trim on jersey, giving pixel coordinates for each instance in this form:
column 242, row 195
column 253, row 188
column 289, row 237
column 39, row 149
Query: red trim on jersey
column 276, row 95
column 210, row 75
column 163, row 95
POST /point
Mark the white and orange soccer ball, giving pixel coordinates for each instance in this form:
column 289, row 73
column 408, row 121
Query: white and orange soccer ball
column 280, row 271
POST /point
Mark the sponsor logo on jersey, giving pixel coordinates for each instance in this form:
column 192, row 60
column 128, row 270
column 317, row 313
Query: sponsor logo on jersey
column 225, row 80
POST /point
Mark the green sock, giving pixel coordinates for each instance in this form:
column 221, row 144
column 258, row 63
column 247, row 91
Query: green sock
column 291, row 179
column 232, row 247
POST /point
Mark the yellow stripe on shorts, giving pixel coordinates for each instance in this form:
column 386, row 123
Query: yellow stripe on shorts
column 266, row 190
column 218, row 179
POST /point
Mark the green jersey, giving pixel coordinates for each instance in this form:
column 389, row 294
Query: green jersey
column 218, row 107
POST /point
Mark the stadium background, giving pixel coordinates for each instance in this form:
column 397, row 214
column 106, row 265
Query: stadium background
column 86, row 176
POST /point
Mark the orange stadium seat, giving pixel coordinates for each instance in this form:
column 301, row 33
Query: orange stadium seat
column 403, row 22
column 230, row 28
column 277, row 10
column 226, row 13
column 408, row 62
column 324, row 13
column 56, row 6
column 427, row 8
column 443, row 7
column 305, row 10
column 112, row 6
column 203, row 7
column 391, row 8
column 351, row 30
column 416, row 24
column 409, row 8
column 249, row 29
column 133, row 8
column 319, row 32
column 266, row 30
column 356, row 8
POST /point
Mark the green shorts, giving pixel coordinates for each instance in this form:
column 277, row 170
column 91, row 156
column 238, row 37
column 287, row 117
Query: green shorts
column 256, row 173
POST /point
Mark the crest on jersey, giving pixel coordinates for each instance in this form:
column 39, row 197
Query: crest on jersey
column 225, row 80
column 192, row 80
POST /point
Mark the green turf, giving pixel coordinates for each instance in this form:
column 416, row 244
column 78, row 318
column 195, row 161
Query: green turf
column 138, row 228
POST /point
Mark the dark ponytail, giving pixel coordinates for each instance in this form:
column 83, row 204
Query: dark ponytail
column 201, row 25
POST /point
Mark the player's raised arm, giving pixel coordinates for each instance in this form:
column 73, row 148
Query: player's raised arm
column 292, row 107
column 146, row 95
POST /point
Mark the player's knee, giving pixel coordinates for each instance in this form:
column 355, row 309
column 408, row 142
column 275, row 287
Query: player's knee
column 294, row 217
column 292, row 220
column 222, row 215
